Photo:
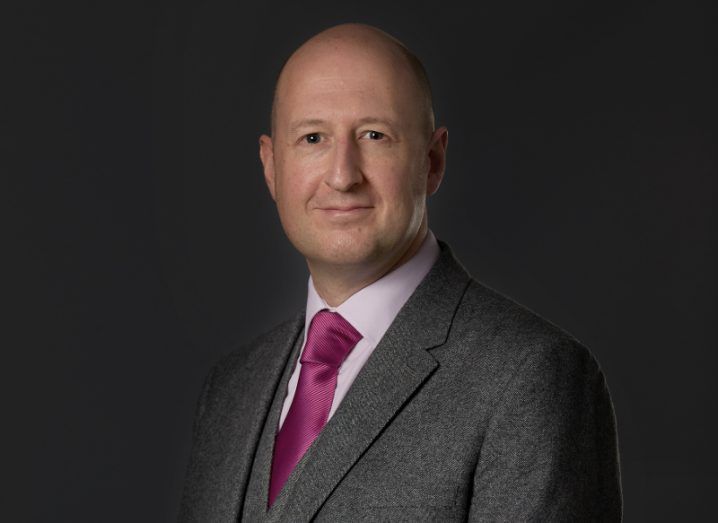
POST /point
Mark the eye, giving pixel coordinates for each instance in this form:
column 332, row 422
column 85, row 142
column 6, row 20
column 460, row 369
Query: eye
column 312, row 138
column 374, row 135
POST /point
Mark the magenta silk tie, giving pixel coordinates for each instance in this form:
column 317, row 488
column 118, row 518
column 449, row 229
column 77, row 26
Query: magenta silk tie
column 329, row 341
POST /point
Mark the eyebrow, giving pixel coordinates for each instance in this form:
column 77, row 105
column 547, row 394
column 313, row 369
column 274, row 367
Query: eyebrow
column 305, row 123
column 313, row 122
column 385, row 121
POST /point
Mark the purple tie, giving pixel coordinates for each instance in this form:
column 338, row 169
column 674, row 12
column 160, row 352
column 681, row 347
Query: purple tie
column 329, row 341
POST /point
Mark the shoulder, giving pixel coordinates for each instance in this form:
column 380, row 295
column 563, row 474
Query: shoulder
column 495, row 336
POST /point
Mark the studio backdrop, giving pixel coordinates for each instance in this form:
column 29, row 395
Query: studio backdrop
column 143, row 243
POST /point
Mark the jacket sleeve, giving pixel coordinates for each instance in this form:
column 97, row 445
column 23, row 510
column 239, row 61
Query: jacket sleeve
column 550, row 452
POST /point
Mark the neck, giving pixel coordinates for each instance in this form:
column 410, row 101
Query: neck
column 337, row 284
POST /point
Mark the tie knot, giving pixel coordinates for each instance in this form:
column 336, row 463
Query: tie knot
column 329, row 340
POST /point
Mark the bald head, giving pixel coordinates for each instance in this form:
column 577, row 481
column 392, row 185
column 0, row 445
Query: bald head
column 361, row 48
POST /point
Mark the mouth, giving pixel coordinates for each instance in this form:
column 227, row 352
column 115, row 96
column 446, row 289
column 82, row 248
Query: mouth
column 349, row 211
column 350, row 208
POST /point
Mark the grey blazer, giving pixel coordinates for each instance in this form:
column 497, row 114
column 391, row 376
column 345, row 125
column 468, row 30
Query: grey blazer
column 470, row 408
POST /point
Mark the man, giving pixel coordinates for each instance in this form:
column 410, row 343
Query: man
column 406, row 391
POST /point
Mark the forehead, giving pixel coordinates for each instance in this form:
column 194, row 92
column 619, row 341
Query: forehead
column 345, row 78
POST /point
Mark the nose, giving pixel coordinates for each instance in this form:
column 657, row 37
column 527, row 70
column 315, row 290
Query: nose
column 344, row 172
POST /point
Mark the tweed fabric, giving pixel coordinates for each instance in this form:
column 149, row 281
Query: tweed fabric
column 471, row 408
column 330, row 338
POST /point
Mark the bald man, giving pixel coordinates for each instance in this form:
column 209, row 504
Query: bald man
column 405, row 391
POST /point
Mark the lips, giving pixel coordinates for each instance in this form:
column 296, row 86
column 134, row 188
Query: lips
column 345, row 212
column 345, row 208
column 341, row 206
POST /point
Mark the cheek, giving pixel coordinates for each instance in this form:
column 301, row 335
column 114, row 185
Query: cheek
column 391, row 170
column 405, row 182
column 294, row 185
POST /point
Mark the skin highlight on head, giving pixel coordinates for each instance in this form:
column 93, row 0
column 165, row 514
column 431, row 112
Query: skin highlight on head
column 353, row 156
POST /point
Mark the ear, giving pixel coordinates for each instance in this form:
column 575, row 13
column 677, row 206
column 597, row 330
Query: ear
column 437, row 159
column 266, row 154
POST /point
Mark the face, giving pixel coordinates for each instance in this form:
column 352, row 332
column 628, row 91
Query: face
column 351, row 160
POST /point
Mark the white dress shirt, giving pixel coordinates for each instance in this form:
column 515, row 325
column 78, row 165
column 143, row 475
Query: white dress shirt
column 370, row 311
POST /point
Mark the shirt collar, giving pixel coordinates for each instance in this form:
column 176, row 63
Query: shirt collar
column 372, row 309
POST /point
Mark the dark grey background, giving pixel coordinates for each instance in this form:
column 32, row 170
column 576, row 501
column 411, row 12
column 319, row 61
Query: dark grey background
column 142, row 243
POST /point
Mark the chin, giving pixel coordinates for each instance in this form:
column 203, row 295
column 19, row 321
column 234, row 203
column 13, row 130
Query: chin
column 348, row 251
column 350, row 255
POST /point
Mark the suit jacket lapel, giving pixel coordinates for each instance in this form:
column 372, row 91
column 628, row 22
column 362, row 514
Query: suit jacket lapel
column 399, row 365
